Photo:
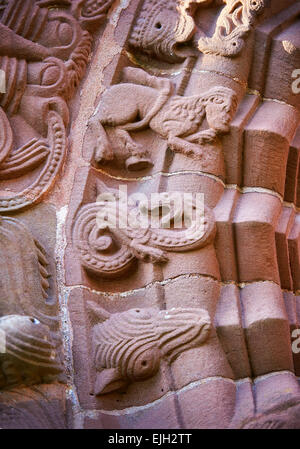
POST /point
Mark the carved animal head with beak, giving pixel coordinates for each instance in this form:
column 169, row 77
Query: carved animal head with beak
column 129, row 346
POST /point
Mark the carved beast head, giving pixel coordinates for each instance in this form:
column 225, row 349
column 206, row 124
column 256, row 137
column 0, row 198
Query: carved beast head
column 160, row 26
column 220, row 106
column 129, row 346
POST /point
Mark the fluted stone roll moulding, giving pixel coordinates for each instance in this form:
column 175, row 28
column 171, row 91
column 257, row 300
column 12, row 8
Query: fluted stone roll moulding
column 125, row 110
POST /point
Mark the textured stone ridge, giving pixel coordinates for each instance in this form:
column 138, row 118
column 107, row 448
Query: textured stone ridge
column 135, row 325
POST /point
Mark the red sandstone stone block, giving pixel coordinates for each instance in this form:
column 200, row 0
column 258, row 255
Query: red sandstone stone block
column 294, row 250
column 202, row 262
column 291, row 308
column 265, row 316
column 162, row 414
column 212, row 188
column 264, row 34
column 255, row 221
column 209, row 404
column 245, row 406
column 275, row 389
column 267, row 141
column 192, row 291
column 229, row 327
column 233, row 143
column 285, row 58
column 224, row 242
column 292, row 171
column 208, row 360
column 283, row 229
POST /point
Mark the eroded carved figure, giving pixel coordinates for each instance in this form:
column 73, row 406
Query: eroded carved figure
column 28, row 324
column 177, row 119
column 129, row 346
column 44, row 51
column 233, row 26
column 111, row 233
column 160, row 28
column 247, row 207
column 30, row 354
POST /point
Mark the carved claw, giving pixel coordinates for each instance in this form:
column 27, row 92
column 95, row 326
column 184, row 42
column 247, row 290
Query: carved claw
column 148, row 253
column 202, row 137
column 184, row 147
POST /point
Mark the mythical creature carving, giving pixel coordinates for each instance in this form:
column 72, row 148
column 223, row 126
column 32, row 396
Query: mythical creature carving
column 129, row 346
column 44, row 51
column 28, row 322
column 162, row 26
column 159, row 29
column 233, row 26
column 175, row 118
column 111, row 233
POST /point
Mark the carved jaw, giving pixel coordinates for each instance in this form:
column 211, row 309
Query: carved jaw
column 160, row 27
column 142, row 365
column 109, row 380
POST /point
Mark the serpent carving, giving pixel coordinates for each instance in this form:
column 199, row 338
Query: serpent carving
column 111, row 233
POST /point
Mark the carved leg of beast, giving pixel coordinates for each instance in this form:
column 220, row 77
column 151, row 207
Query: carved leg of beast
column 180, row 145
column 97, row 140
column 206, row 136
column 136, row 157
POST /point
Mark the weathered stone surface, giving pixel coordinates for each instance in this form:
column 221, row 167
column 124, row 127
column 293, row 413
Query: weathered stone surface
column 124, row 119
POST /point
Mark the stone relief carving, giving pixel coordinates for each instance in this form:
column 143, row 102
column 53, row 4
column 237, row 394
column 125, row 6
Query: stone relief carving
column 108, row 243
column 45, row 46
column 175, row 118
column 246, row 208
column 233, row 26
column 30, row 353
column 28, row 324
column 44, row 51
column 90, row 13
column 129, row 346
column 160, row 27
